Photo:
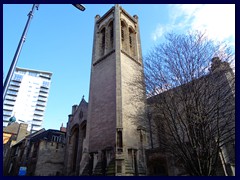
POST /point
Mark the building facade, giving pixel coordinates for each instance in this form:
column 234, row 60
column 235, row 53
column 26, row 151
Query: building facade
column 12, row 134
column 26, row 98
column 76, row 155
column 41, row 153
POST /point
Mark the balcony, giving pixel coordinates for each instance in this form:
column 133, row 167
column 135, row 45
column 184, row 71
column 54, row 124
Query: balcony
column 44, row 90
column 10, row 108
column 40, row 108
column 13, row 88
column 6, row 118
column 45, row 76
column 42, row 99
column 5, row 123
column 7, row 113
column 17, row 84
column 14, row 93
column 36, row 119
column 43, row 94
column 39, row 113
column 41, row 103
column 44, row 87
column 10, row 97
column 17, row 78
column 10, row 103
column 40, row 118
column 38, row 123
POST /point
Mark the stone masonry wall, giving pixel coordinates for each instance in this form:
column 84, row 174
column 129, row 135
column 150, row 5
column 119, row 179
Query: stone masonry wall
column 50, row 159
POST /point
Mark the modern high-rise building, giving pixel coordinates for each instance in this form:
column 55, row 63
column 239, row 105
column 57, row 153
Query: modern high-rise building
column 26, row 97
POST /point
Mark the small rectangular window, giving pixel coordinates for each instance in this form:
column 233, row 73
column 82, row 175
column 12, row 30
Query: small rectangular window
column 119, row 166
column 122, row 33
column 119, row 139
column 130, row 41
column 17, row 77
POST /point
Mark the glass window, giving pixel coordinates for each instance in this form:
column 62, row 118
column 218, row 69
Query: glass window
column 12, row 92
column 7, row 112
column 103, row 41
column 81, row 114
column 17, row 77
column 21, row 72
column 111, row 34
column 119, row 138
column 34, row 74
column 122, row 33
column 119, row 166
column 45, row 84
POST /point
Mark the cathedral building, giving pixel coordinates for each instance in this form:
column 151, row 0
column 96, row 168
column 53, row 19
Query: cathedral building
column 111, row 135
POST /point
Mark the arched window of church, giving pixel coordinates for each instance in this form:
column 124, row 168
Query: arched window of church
column 110, row 27
column 132, row 41
column 81, row 114
column 102, row 49
column 119, row 140
column 124, row 35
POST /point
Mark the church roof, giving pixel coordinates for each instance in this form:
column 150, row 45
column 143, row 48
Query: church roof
column 12, row 128
column 83, row 101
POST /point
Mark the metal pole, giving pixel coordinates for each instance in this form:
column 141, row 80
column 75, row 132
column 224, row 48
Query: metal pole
column 17, row 53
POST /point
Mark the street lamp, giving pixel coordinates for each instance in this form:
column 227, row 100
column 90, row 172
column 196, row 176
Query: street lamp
column 79, row 6
column 17, row 53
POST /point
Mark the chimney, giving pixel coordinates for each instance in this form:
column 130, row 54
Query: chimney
column 218, row 65
column 74, row 107
column 62, row 129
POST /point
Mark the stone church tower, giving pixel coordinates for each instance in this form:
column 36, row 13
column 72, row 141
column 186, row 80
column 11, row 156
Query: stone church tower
column 116, row 138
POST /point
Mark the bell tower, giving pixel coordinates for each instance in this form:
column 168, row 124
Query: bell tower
column 115, row 135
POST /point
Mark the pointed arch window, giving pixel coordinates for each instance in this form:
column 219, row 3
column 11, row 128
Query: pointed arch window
column 124, row 35
column 123, row 31
column 102, row 42
column 110, row 27
column 119, row 141
column 132, row 42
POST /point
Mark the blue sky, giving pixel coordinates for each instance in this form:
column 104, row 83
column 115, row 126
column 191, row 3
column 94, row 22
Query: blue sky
column 60, row 40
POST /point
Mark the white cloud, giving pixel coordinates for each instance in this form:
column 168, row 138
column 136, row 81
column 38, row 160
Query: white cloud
column 158, row 32
column 217, row 20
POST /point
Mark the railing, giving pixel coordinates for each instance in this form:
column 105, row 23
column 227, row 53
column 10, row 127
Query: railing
column 9, row 102
column 12, row 92
column 10, row 97
column 15, row 83
column 5, row 118
column 7, row 113
column 13, row 88
column 41, row 103
column 43, row 90
column 8, row 107
column 40, row 118
column 42, row 99
column 40, row 108
column 39, row 113
column 37, row 123
column 43, row 94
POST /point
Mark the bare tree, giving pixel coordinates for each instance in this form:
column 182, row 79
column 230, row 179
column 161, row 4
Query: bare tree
column 191, row 96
